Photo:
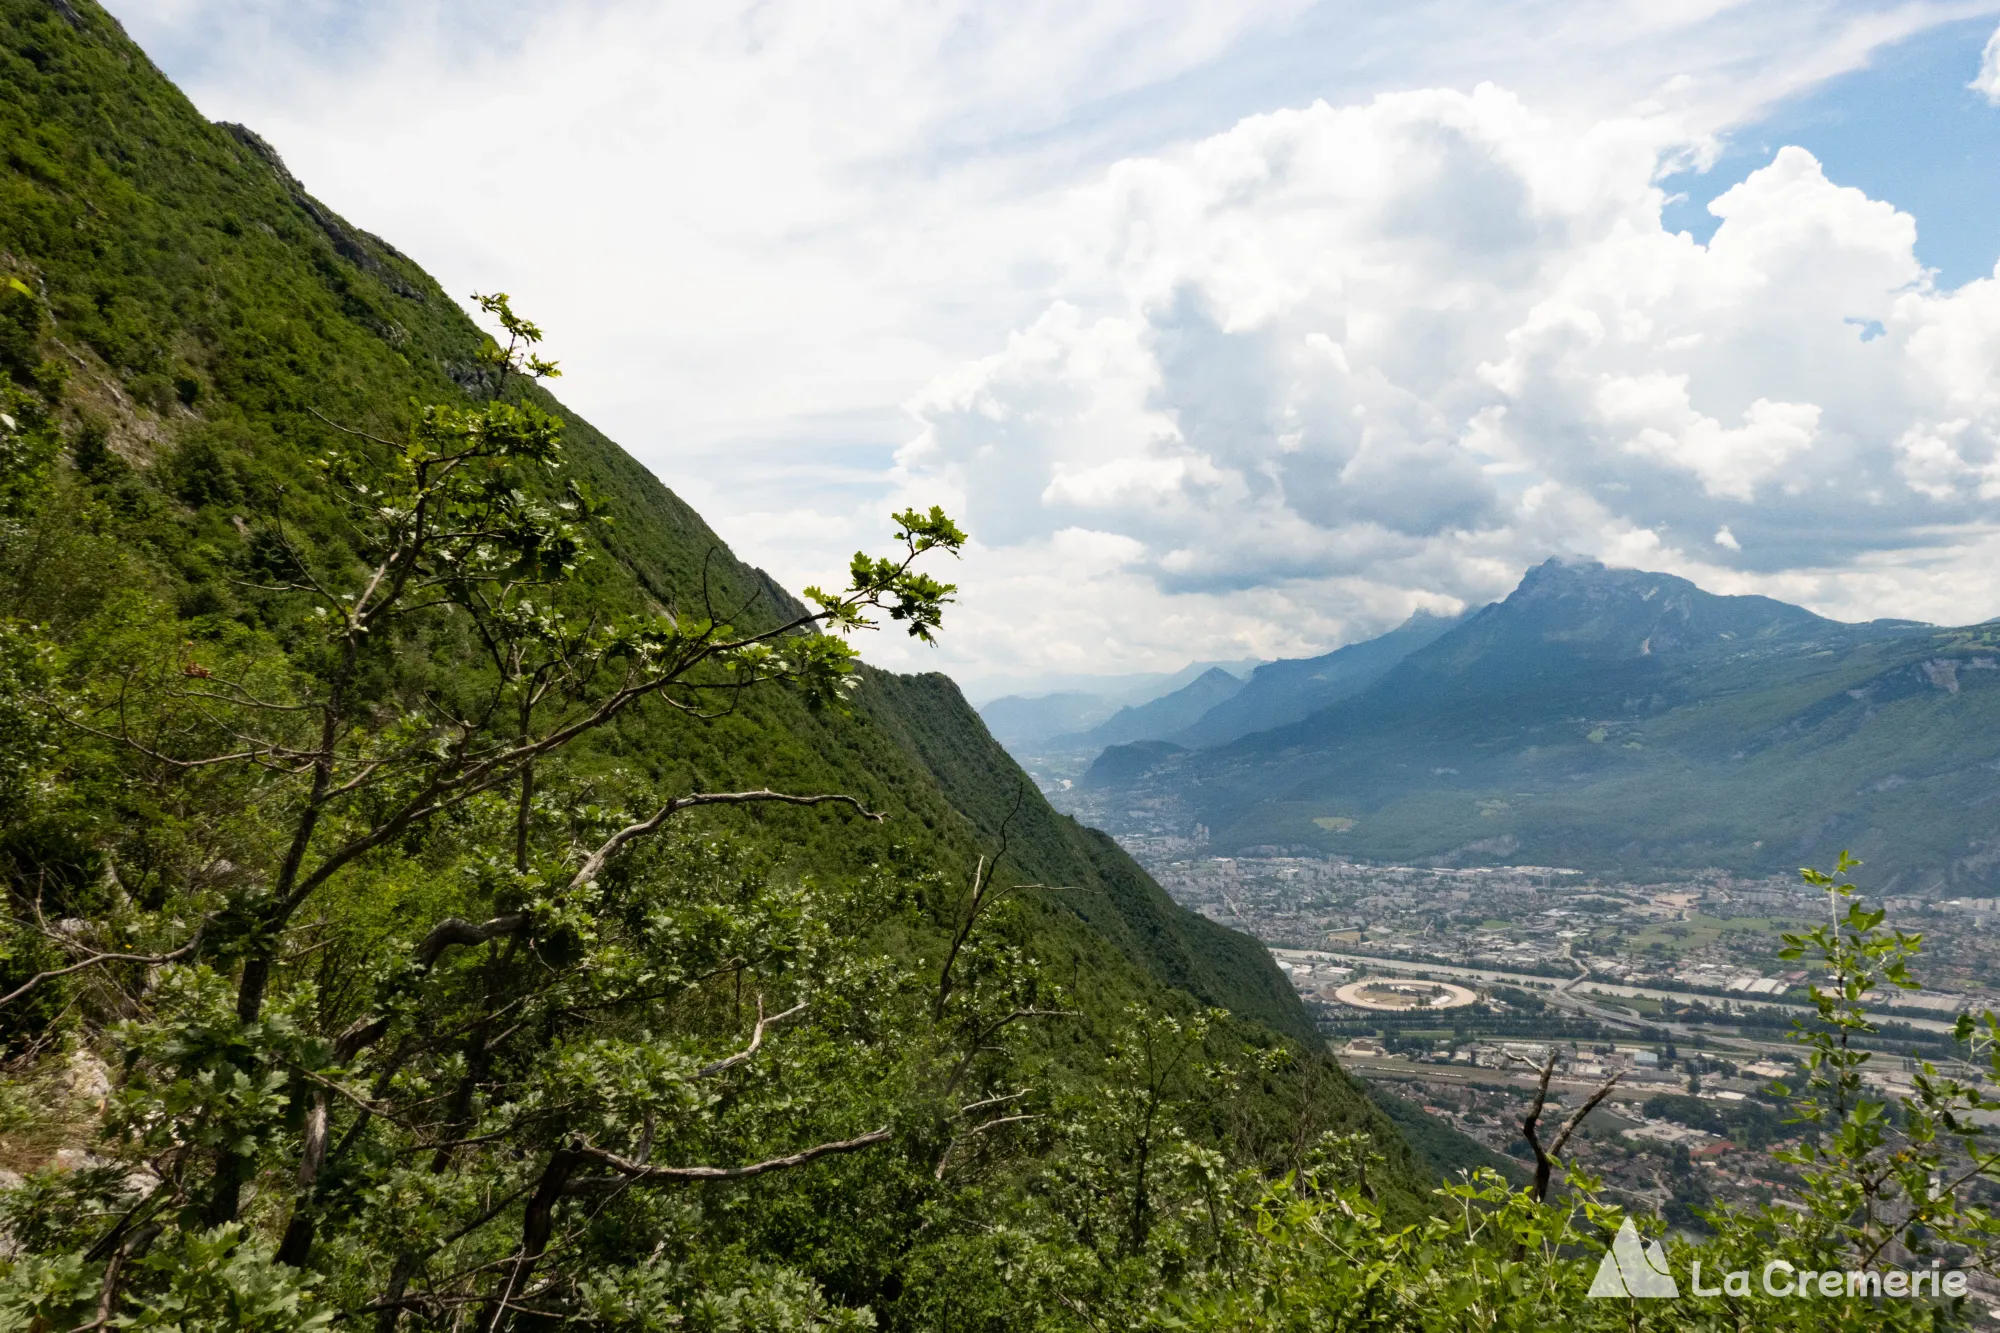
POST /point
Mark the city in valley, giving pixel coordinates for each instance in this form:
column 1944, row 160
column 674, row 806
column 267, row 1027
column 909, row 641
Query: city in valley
column 1449, row 991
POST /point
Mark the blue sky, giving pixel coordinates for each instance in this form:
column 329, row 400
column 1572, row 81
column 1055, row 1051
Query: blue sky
column 1907, row 128
column 1231, row 331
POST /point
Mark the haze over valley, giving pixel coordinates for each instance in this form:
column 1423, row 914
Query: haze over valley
column 1609, row 720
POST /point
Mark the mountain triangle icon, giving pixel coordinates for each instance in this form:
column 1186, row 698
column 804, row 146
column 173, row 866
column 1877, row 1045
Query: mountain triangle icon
column 1634, row 1268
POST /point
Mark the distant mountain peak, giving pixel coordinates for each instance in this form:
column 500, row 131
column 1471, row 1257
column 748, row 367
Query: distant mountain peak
column 1601, row 609
column 1280, row 693
column 1621, row 721
column 1163, row 716
column 1568, row 574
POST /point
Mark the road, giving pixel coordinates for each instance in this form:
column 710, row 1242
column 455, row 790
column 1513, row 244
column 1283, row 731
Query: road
column 1565, row 992
column 1389, row 1066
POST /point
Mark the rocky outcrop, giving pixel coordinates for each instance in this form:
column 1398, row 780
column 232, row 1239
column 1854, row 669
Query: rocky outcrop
column 358, row 248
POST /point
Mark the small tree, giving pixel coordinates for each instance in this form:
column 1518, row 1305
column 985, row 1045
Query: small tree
column 423, row 675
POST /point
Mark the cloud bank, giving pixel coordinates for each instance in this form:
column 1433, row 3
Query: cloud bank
column 1338, row 363
column 1274, row 378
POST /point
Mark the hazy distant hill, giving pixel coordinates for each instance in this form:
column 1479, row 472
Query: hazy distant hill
column 1028, row 721
column 1629, row 722
column 1018, row 720
column 1282, row 692
column 1160, row 717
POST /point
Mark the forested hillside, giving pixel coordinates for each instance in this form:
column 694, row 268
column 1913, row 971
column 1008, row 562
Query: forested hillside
column 1627, row 723
column 419, row 811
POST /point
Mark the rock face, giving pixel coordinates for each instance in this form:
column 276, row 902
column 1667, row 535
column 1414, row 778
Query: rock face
column 85, row 1078
column 358, row 248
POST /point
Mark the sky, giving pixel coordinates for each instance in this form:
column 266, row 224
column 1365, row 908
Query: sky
column 1228, row 331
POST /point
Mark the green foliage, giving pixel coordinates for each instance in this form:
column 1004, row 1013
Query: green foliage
column 220, row 1280
column 912, row 597
column 1884, row 1177
column 471, row 871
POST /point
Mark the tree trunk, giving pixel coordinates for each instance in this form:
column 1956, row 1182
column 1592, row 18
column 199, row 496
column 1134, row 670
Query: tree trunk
column 297, row 1245
column 537, row 1225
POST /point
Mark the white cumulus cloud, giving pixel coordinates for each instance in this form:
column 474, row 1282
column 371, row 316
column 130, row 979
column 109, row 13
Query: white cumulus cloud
column 1340, row 362
column 1988, row 79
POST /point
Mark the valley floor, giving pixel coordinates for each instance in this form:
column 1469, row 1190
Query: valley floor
column 1675, row 988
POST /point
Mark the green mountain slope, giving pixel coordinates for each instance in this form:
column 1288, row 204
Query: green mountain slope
column 1629, row 722
column 218, row 318
column 184, row 332
column 1085, row 871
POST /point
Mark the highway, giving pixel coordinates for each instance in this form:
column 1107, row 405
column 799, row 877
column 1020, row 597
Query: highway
column 1565, row 992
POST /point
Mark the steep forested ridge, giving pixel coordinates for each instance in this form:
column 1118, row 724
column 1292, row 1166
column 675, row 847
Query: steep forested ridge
column 204, row 367
column 221, row 320
column 1086, row 872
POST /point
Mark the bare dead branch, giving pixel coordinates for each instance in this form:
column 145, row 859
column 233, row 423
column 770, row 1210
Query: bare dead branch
column 1546, row 1158
column 247, row 700
column 1569, row 1127
column 993, row 1101
column 944, row 1158
column 107, row 1301
column 1544, row 1168
column 125, row 738
column 975, row 902
column 611, row 846
column 457, row 930
column 638, row 1173
column 756, row 1040
column 349, row 430
column 96, row 959
column 365, row 1032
